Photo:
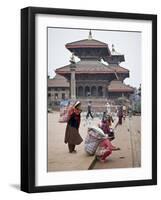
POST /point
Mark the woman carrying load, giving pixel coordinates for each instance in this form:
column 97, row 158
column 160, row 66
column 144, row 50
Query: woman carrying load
column 72, row 136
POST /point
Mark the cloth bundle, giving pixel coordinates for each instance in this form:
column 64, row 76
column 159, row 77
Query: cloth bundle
column 94, row 136
column 65, row 113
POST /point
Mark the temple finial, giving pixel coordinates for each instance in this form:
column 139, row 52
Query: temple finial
column 90, row 35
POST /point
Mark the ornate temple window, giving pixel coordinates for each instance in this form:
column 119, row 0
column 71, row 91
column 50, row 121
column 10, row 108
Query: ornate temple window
column 93, row 91
column 100, row 91
column 87, row 91
column 80, row 91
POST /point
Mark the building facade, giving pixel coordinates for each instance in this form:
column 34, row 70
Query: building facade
column 98, row 74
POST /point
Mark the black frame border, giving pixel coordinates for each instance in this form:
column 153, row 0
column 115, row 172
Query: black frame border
column 28, row 98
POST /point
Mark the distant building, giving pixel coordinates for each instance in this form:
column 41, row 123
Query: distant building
column 58, row 89
column 92, row 78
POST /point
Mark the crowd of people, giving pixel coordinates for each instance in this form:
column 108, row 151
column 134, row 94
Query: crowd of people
column 99, row 138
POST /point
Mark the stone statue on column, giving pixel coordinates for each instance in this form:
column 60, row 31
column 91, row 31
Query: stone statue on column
column 72, row 78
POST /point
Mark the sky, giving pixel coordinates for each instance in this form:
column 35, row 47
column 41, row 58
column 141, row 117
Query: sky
column 127, row 43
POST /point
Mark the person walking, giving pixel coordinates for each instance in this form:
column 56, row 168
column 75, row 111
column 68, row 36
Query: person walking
column 72, row 136
column 89, row 113
column 124, row 112
column 120, row 115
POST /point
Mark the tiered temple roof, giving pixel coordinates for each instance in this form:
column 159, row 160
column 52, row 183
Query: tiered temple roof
column 89, row 48
column 90, row 52
column 92, row 67
column 86, row 43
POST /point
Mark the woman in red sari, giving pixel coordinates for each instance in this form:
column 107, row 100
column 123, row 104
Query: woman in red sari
column 72, row 136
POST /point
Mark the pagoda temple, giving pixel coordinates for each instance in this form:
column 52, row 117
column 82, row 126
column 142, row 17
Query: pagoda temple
column 98, row 74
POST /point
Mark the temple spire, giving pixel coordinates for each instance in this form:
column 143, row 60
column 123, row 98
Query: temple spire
column 90, row 35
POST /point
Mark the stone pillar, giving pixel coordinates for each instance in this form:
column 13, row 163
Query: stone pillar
column 72, row 84
column 72, row 79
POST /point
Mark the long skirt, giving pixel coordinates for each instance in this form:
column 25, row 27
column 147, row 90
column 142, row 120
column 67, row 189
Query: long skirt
column 72, row 136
